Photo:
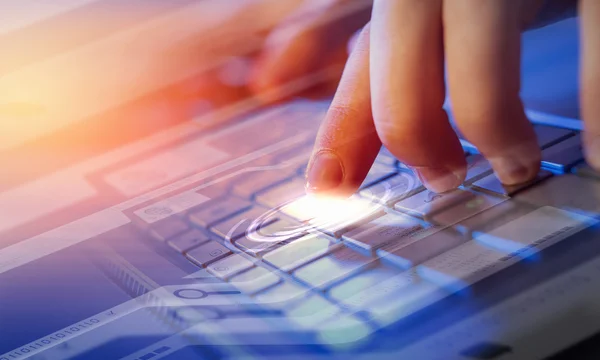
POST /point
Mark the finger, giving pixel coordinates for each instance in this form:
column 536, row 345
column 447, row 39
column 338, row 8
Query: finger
column 483, row 40
column 590, row 79
column 407, row 81
column 334, row 67
column 347, row 142
column 310, row 41
column 352, row 41
column 218, row 87
column 335, row 64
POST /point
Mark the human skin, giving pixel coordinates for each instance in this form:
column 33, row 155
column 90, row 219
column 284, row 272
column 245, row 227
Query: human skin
column 393, row 86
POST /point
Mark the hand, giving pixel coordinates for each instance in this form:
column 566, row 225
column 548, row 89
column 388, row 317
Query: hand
column 311, row 40
column 253, row 43
column 393, row 89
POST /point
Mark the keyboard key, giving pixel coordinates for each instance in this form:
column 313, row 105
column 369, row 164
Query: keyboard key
column 206, row 254
column 432, row 243
column 188, row 240
column 164, row 209
column 477, row 167
column 327, row 270
column 427, row 203
column 395, row 188
column 296, row 159
column 300, row 252
column 386, row 158
column 235, row 227
column 312, row 312
column 463, row 266
column 344, row 331
column 493, row 251
column 491, row 184
column 255, row 280
column 551, row 225
column 230, row 266
column 257, row 181
column 378, row 173
column 264, row 129
column 494, row 217
column 281, row 194
column 337, row 230
column 388, row 231
column 168, row 228
column 549, row 135
column 564, row 155
column 395, row 298
column 396, row 306
column 282, row 296
column 361, row 282
column 257, row 245
column 568, row 191
column 390, row 286
column 218, row 211
column 214, row 191
column 464, row 210
column 281, row 228
column 333, row 216
column 257, row 248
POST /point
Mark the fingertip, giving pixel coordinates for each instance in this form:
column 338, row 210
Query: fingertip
column 325, row 172
column 347, row 142
column 518, row 165
column 441, row 180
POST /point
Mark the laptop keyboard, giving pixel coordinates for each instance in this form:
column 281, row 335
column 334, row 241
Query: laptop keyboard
column 409, row 252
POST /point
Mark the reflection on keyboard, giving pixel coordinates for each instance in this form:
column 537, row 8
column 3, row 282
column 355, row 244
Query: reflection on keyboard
column 404, row 249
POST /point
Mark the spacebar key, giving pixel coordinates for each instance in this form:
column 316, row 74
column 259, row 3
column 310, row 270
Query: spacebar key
column 491, row 184
column 491, row 252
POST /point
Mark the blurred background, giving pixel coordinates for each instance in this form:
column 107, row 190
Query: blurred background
column 79, row 77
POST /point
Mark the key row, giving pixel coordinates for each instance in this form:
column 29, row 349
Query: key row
column 439, row 271
column 387, row 181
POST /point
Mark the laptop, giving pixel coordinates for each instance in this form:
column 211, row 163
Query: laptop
column 133, row 231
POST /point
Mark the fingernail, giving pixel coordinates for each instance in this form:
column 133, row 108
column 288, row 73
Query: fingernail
column 512, row 171
column 439, row 180
column 325, row 173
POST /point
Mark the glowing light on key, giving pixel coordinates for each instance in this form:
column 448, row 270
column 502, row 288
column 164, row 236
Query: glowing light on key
column 327, row 210
column 325, row 213
column 315, row 212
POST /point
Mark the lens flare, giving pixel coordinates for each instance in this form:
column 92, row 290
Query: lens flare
column 327, row 211
column 317, row 212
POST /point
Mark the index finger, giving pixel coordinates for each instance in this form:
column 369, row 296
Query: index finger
column 347, row 142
